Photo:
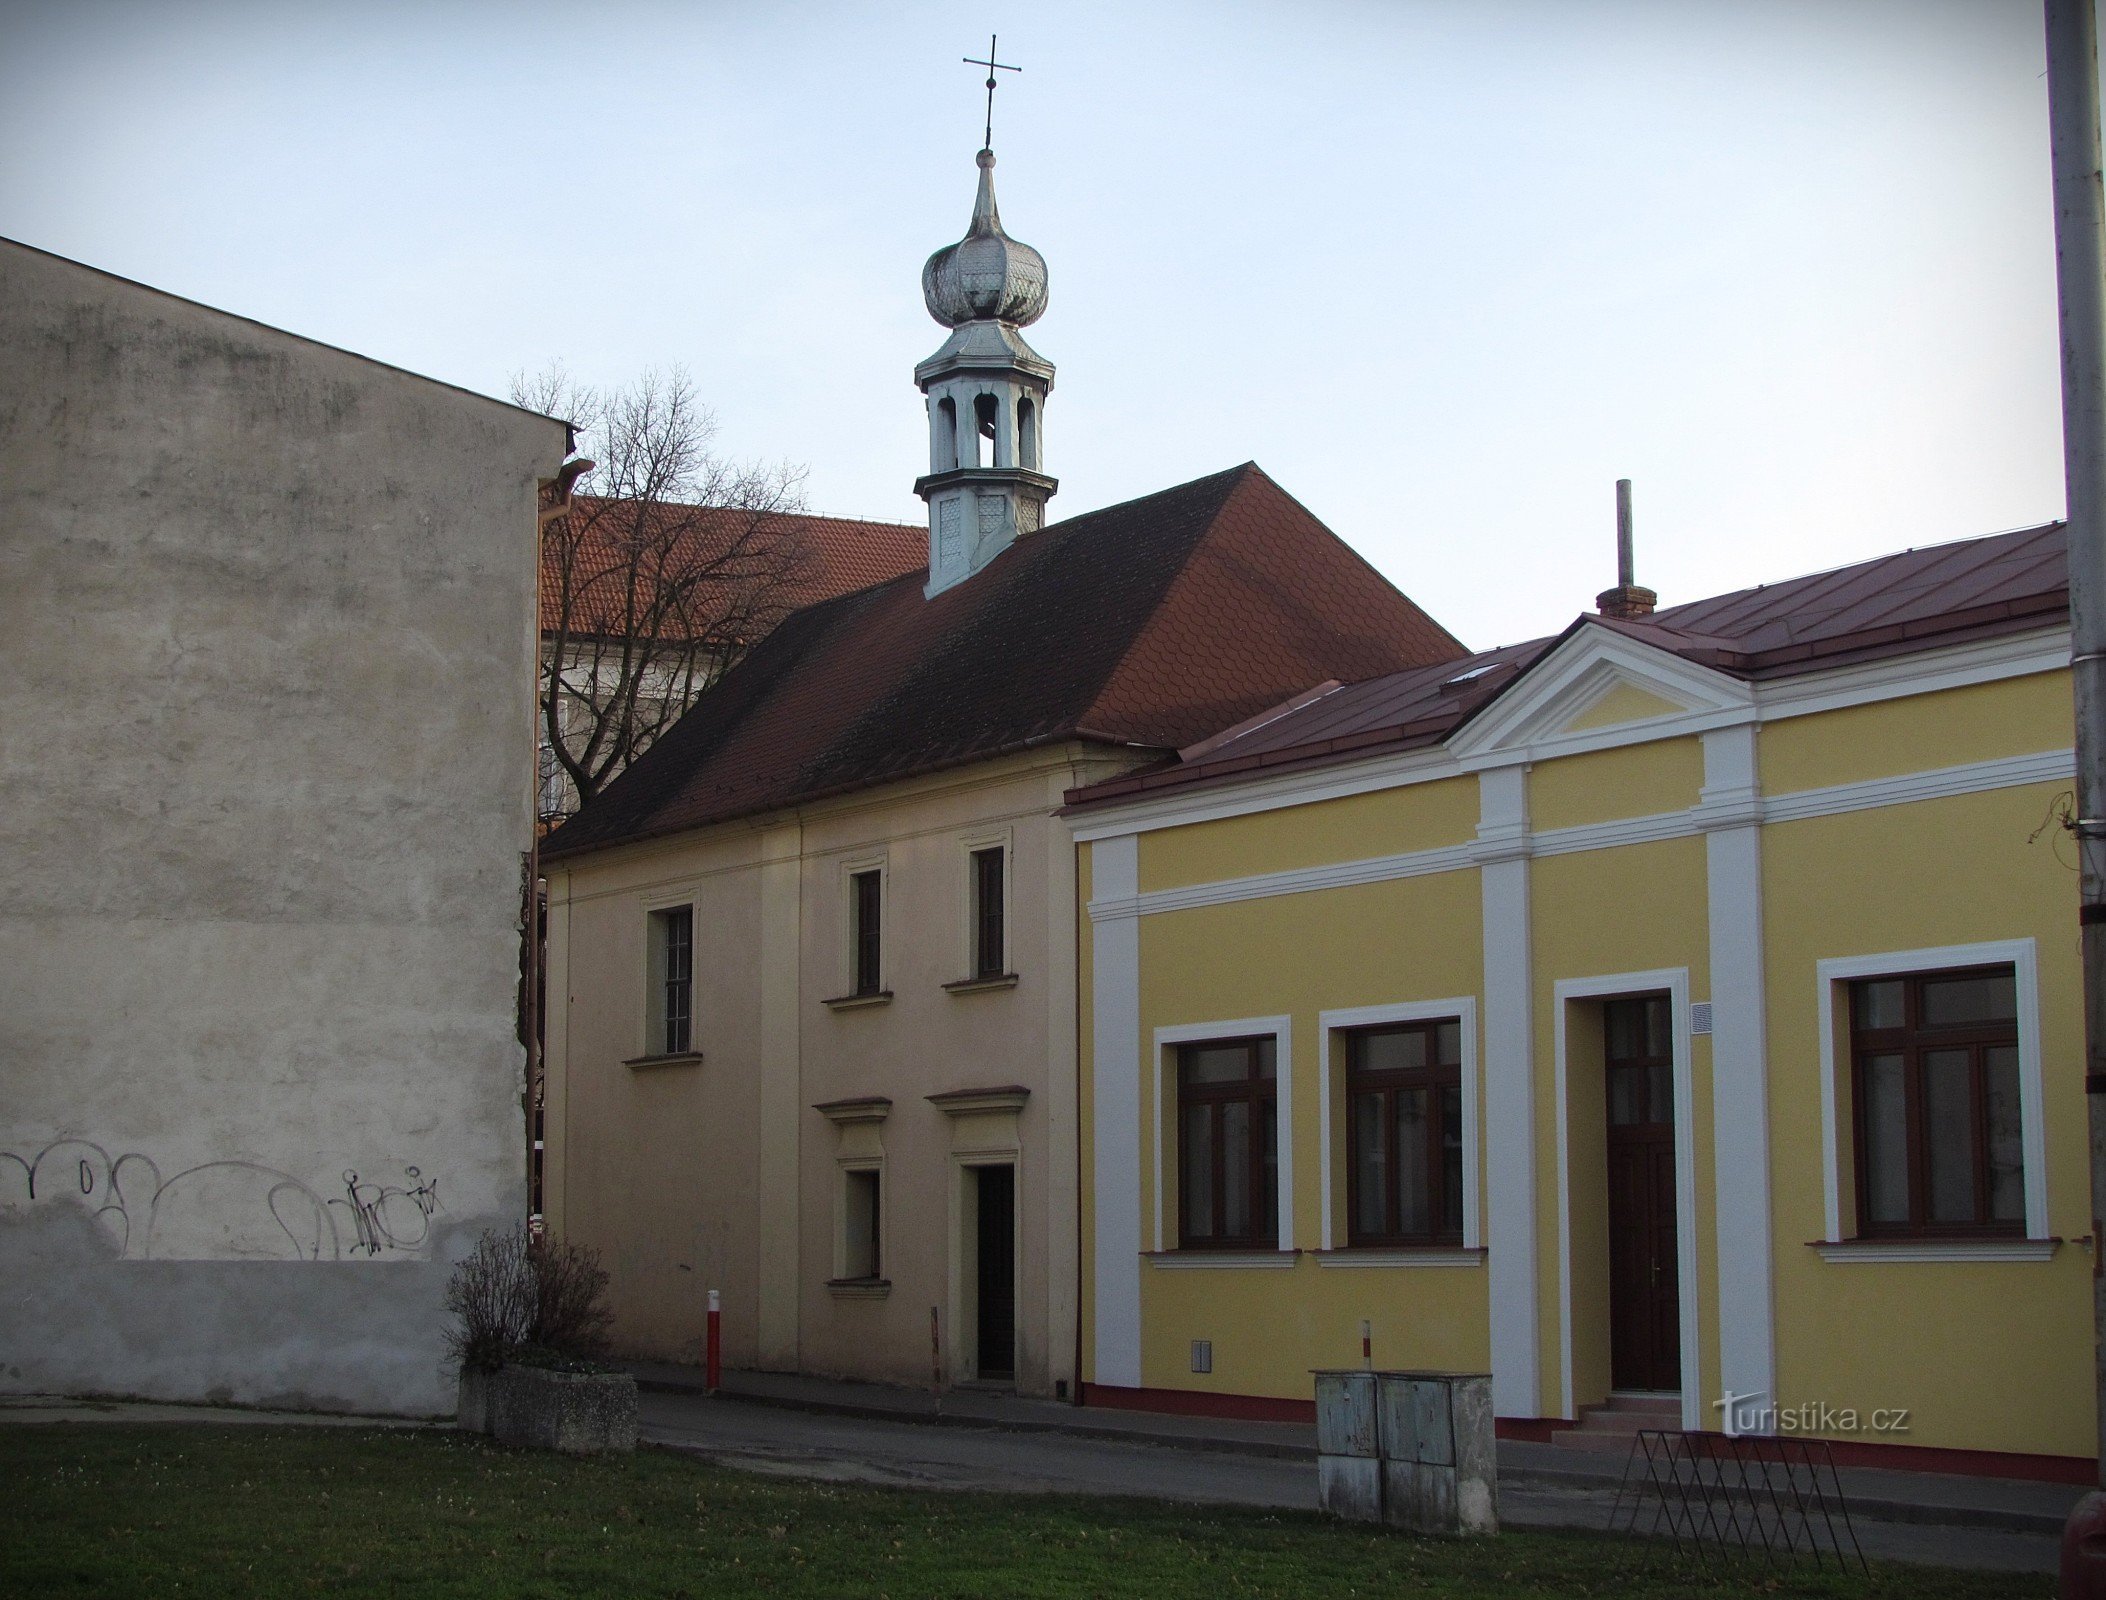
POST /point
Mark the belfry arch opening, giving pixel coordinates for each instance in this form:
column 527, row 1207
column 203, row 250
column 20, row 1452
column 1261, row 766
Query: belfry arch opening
column 946, row 436
column 986, row 411
column 1027, row 434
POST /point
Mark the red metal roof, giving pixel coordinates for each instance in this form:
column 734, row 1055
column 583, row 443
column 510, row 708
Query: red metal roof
column 1892, row 605
column 1152, row 623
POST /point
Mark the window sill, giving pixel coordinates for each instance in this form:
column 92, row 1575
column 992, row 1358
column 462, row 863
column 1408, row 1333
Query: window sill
column 1220, row 1260
column 1401, row 1256
column 677, row 1058
column 856, row 1002
column 1858, row 1251
column 859, row 1288
column 1004, row 980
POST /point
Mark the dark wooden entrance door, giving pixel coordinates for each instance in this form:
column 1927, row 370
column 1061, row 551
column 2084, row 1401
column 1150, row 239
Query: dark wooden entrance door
column 995, row 1204
column 1645, row 1318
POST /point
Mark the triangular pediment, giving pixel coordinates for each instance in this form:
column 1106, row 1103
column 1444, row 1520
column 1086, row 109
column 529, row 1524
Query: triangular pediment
column 1599, row 687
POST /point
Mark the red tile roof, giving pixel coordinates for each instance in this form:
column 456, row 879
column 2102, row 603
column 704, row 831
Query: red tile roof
column 1151, row 623
column 1893, row 605
column 820, row 557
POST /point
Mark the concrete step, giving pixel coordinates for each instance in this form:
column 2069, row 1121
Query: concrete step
column 1611, row 1426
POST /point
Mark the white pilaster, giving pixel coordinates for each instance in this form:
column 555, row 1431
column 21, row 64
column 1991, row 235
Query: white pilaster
column 1509, row 1090
column 1739, row 1066
column 1115, row 1108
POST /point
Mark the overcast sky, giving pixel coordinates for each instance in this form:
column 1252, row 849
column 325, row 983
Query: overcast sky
column 1445, row 268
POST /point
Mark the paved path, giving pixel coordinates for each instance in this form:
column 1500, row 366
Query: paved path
column 767, row 1437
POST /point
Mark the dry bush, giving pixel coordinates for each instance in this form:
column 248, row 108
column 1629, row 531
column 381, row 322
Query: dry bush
column 492, row 1296
column 570, row 1309
column 515, row 1293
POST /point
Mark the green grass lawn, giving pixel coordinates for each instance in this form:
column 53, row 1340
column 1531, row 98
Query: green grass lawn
column 110, row 1509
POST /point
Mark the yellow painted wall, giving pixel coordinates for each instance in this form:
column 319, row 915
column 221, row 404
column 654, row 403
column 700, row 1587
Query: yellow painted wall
column 1424, row 816
column 1638, row 908
column 1988, row 1356
column 1638, row 780
column 1411, row 939
column 1991, row 1356
column 1624, row 703
column 2014, row 717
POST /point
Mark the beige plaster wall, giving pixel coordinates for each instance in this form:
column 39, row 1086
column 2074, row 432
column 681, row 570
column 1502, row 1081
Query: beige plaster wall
column 721, row 1174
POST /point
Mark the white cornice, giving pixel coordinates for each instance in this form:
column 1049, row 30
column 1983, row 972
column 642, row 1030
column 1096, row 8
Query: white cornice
column 1735, row 808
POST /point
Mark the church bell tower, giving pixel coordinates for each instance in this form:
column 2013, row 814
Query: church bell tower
column 986, row 487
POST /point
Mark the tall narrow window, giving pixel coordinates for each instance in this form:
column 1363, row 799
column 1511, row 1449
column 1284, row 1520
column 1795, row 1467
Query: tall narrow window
column 1228, row 1145
column 866, row 950
column 988, row 954
column 672, row 979
column 1404, row 1180
column 862, row 1218
column 1939, row 1143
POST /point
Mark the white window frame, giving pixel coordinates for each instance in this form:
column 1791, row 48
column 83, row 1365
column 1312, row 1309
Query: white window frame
column 1830, row 974
column 1282, row 1031
column 653, row 1021
column 851, row 869
column 969, row 921
column 1331, row 1092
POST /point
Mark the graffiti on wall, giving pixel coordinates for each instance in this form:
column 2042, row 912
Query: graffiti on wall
column 221, row 1210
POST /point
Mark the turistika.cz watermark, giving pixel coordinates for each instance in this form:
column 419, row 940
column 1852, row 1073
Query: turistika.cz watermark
column 1758, row 1413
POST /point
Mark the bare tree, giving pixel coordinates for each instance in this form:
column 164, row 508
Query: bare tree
column 654, row 582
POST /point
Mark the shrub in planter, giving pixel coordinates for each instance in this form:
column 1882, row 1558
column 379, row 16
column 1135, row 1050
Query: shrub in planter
column 530, row 1319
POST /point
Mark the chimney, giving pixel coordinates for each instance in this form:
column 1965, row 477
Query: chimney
column 1626, row 600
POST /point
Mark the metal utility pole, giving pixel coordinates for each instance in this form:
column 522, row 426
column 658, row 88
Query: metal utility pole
column 2080, row 260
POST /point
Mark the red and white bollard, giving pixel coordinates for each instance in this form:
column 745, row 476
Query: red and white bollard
column 715, row 1368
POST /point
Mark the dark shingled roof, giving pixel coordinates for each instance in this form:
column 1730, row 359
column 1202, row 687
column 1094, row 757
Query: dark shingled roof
column 1152, row 623
column 1890, row 606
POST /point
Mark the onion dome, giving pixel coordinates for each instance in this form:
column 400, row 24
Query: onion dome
column 986, row 276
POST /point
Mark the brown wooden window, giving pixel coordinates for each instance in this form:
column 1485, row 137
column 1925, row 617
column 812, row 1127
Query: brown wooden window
column 1404, row 1178
column 1934, row 1064
column 988, row 955
column 672, row 980
column 866, row 948
column 1228, row 1145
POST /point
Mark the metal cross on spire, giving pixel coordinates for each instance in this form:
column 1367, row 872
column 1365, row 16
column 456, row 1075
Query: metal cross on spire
column 993, row 66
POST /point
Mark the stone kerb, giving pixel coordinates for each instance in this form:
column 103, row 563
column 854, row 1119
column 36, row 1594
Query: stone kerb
column 1414, row 1449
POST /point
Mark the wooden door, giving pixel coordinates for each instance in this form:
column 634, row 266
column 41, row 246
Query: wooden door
column 1645, row 1318
column 995, row 1206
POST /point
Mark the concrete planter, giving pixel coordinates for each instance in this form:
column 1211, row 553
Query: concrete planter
column 578, row 1413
